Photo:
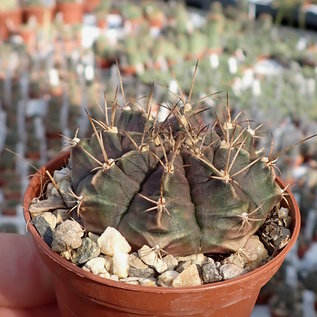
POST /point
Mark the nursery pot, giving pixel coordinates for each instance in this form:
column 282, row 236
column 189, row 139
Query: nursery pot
column 13, row 17
column 91, row 5
column 80, row 293
column 72, row 12
column 39, row 13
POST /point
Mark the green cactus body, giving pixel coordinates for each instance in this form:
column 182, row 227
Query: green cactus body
column 172, row 185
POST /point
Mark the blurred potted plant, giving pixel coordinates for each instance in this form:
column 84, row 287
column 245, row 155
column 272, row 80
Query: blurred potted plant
column 154, row 14
column 105, row 52
column 101, row 12
column 39, row 10
column 71, row 11
column 10, row 17
column 132, row 14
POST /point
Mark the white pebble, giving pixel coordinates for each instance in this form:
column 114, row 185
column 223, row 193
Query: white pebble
column 120, row 264
column 152, row 259
column 111, row 241
column 96, row 265
column 50, row 219
column 166, row 279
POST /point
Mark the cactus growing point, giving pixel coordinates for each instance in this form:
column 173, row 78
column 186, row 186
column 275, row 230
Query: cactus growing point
column 180, row 184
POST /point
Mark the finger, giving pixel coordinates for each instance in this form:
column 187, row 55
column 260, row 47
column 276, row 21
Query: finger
column 24, row 280
column 47, row 311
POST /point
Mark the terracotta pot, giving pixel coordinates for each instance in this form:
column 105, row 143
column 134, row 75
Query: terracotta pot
column 91, row 5
column 39, row 13
column 14, row 17
column 72, row 12
column 80, row 293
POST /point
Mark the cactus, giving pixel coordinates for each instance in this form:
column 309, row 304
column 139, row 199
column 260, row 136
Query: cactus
column 179, row 184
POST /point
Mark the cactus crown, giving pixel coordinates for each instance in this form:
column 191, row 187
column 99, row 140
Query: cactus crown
column 180, row 184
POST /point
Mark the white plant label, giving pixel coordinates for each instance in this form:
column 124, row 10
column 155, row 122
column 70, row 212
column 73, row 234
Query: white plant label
column 173, row 87
column 302, row 44
column 89, row 73
column 237, row 86
column 89, row 35
column 214, row 60
column 53, row 77
column 256, row 87
column 247, row 78
column 139, row 68
column 233, row 65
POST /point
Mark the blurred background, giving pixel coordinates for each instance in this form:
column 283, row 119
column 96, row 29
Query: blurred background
column 58, row 58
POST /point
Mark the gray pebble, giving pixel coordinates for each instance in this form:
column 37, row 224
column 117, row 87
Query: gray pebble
column 170, row 261
column 166, row 279
column 50, row 218
column 44, row 229
column 228, row 271
column 210, row 273
column 66, row 236
column 144, row 273
column 88, row 250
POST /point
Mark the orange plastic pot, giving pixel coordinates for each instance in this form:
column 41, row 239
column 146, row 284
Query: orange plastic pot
column 39, row 13
column 13, row 17
column 80, row 293
column 72, row 12
column 91, row 5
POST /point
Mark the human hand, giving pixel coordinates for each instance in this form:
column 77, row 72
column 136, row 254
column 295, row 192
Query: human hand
column 26, row 288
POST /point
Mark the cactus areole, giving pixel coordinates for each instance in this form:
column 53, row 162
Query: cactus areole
column 178, row 184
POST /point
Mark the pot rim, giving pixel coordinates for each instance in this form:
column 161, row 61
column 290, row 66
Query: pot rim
column 151, row 289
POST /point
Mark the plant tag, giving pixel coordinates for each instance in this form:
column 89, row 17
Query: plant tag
column 310, row 224
column 89, row 35
column 53, row 77
column 173, row 87
column 247, row 78
column 89, row 73
column 214, row 60
column 291, row 276
column 301, row 44
column 114, row 20
column 139, row 68
column 233, row 65
column 163, row 113
column 256, row 87
column 237, row 86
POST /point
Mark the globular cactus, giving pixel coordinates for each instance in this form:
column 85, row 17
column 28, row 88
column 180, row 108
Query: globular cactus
column 181, row 185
